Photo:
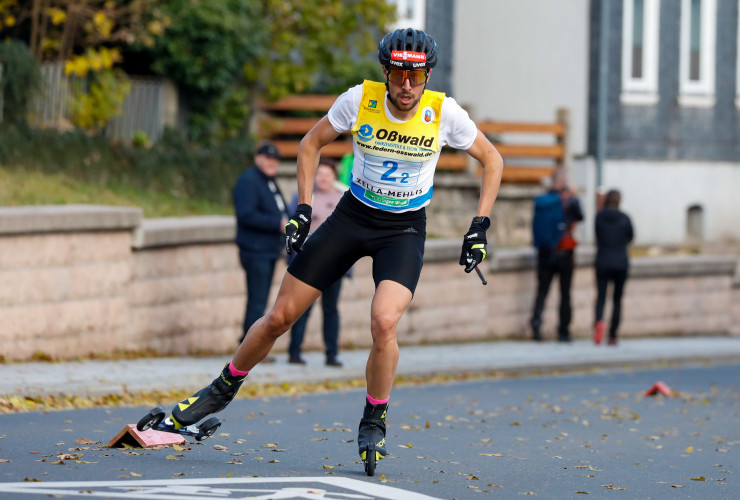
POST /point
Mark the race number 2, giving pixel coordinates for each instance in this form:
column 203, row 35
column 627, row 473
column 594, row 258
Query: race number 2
column 395, row 172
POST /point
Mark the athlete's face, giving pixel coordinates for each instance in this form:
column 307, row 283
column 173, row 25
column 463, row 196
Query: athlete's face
column 405, row 97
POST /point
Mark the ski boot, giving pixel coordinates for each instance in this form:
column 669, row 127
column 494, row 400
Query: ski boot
column 209, row 400
column 371, row 437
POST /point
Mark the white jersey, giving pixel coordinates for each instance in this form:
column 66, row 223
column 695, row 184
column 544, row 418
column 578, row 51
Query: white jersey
column 394, row 161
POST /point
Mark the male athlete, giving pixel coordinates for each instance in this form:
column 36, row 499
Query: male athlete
column 399, row 128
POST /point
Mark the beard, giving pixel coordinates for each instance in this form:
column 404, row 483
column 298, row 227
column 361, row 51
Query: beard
column 396, row 100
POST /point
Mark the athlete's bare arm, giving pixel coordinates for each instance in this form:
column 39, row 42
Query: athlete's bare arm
column 308, row 156
column 493, row 167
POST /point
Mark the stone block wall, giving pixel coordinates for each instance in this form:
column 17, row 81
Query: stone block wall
column 82, row 280
column 64, row 290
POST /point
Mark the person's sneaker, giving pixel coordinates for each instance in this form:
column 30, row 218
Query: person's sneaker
column 536, row 330
column 598, row 332
column 296, row 360
column 612, row 341
column 333, row 362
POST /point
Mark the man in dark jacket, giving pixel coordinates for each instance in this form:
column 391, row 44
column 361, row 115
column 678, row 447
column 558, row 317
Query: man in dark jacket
column 261, row 215
column 557, row 259
column 613, row 234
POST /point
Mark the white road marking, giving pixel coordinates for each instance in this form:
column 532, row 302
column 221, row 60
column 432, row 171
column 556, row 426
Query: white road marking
column 208, row 489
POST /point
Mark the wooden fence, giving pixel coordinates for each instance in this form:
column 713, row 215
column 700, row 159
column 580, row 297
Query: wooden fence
column 530, row 150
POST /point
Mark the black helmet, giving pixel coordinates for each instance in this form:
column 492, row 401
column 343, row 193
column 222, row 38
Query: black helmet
column 407, row 49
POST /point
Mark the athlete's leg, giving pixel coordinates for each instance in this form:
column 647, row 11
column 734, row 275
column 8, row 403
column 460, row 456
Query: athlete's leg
column 390, row 301
column 293, row 299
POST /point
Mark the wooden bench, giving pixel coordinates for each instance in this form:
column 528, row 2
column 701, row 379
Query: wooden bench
column 286, row 121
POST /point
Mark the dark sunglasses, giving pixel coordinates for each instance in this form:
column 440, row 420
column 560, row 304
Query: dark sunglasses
column 415, row 76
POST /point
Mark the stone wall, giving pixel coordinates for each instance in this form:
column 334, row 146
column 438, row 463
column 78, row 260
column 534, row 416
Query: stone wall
column 81, row 280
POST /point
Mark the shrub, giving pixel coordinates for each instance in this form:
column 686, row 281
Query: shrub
column 21, row 78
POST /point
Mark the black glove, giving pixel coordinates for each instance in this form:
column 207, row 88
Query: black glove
column 296, row 230
column 474, row 244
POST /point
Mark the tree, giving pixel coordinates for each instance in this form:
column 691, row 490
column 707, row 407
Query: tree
column 224, row 53
column 322, row 37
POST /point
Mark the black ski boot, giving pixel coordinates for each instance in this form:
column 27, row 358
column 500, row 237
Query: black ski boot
column 209, row 400
column 371, row 437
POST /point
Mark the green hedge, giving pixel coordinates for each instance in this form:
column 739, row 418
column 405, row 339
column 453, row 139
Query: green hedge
column 173, row 165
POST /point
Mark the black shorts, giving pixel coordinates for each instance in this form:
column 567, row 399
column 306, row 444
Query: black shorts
column 394, row 241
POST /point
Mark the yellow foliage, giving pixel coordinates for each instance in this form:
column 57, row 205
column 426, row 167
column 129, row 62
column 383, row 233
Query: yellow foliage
column 94, row 60
column 156, row 28
column 102, row 24
column 9, row 21
column 103, row 101
column 58, row 16
column 6, row 5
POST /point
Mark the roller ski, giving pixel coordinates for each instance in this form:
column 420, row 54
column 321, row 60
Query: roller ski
column 156, row 420
column 209, row 400
column 371, row 436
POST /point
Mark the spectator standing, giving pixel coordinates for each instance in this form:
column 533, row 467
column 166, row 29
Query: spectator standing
column 261, row 214
column 324, row 201
column 613, row 233
column 556, row 213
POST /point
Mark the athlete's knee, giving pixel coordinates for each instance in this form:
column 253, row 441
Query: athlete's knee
column 277, row 322
column 383, row 327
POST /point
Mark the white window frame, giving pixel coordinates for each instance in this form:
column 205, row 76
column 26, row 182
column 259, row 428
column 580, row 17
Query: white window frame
column 417, row 22
column 642, row 90
column 699, row 93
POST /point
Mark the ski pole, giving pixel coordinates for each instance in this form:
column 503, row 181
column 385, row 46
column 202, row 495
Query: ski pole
column 480, row 275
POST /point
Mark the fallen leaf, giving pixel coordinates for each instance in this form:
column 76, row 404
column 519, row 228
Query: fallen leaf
column 690, row 449
column 676, row 486
column 136, row 475
column 4, row 460
column 699, row 478
column 171, row 457
column 218, row 447
column 492, row 454
column 86, row 441
column 328, row 467
column 405, row 445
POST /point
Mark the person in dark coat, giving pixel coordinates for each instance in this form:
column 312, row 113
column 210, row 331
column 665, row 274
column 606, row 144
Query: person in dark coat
column 613, row 234
column 558, row 260
column 261, row 214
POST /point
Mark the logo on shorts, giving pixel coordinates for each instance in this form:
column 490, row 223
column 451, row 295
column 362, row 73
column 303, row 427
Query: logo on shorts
column 427, row 115
column 365, row 132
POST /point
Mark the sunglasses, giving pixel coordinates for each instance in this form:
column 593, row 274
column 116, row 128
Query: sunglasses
column 415, row 76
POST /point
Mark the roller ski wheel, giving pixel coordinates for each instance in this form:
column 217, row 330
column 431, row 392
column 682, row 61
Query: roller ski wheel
column 208, row 428
column 151, row 419
column 370, row 458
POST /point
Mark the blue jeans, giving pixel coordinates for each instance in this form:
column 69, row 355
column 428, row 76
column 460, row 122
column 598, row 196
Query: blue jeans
column 259, row 272
column 329, row 301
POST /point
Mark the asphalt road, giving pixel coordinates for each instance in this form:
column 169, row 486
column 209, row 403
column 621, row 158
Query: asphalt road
column 553, row 437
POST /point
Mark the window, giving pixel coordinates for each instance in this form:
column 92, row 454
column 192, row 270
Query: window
column 640, row 29
column 697, row 62
column 411, row 13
